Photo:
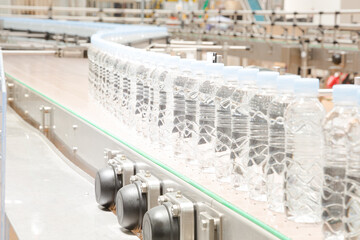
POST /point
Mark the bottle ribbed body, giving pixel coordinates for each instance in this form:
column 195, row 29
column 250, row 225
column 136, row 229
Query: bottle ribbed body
column 352, row 193
column 179, row 115
column 207, row 131
column 258, row 143
column 275, row 166
column 240, row 120
column 166, row 113
column 304, row 159
column 223, row 144
column 335, row 158
column 191, row 131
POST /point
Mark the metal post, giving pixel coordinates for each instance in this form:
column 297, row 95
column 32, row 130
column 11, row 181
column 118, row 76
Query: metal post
column 142, row 11
column 3, row 229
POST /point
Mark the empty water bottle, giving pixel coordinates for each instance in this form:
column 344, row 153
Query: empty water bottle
column 275, row 166
column 304, row 155
column 259, row 134
column 335, row 158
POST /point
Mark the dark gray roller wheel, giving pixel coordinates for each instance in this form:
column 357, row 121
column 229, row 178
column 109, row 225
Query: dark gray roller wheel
column 160, row 224
column 107, row 183
column 131, row 206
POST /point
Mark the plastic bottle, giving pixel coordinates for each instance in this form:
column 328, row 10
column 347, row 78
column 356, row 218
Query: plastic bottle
column 181, row 78
column 259, row 134
column 207, row 135
column 223, row 144
column 352, row 194
column 304, row 157
column 335, row 158
column 275, row 166
column 240, row 119
column 166, row 106
column 92, row 52
column 142, row 93
column 191, row 92
column 158, row 79
column 151, row 70
column 135, row 94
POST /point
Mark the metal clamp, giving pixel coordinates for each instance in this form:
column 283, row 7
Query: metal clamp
column 124, row 167
column 182, row 208
column 150, row 185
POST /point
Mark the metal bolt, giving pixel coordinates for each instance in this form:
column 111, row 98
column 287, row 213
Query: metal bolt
column 119, row 169
column 143, row 187
column 162, row 199
column 169, row 190
column 74, row 126
column 133, row 179
column 178, row 194
column 175, row 210
column 74, row 149
column 147, row 174
column 123, row 157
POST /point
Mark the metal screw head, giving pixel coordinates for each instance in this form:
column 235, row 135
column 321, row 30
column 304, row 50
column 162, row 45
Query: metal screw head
column 143, row 187
column 162, row 199
column 123, row 157
column 147, row 174
column 178, row 194
column 175, row 210
column 133, row 179
column 118, row 169
column 169, row 190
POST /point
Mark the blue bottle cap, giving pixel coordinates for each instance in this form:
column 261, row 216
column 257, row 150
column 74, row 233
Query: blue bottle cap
column 267, row 79
column 286, row 82
column 306, row 86
column 345, row 93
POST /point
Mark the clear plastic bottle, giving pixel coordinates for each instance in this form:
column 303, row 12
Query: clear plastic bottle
column 191, row 92
column 207, row 131
column 352, row 193
column 223, row 144
column 147, row 93
column 150, row 83
column 335, row 158
column 155, row 119
column 135, row 94
column 142, row 93
column 92, row 52
column 304, row 155
column 166, row 106
column 240, row 120
column 275, row 166
column 259, row 134
column 180, row 80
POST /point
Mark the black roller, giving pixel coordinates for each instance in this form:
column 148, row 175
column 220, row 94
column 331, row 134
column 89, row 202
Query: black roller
column 131, row 206
column 107, row 183
column 160, row 224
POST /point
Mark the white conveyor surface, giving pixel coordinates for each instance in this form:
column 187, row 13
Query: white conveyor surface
column 46, row 196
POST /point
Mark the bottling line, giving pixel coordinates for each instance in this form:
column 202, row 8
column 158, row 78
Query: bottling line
column 64, row 129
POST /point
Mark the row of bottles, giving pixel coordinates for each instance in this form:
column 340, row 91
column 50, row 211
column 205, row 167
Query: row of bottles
column 265, row 134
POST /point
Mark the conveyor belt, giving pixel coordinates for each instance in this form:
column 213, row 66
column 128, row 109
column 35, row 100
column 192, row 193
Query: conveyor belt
column 65, row 82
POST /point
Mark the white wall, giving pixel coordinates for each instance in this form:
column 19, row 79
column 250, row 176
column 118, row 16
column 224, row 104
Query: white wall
column 318, row 5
